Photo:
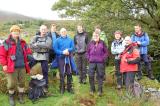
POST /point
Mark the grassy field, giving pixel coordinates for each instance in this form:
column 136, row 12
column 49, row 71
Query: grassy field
column 111, row 96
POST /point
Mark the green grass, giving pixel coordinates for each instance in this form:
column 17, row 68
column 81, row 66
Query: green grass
column 111, row 96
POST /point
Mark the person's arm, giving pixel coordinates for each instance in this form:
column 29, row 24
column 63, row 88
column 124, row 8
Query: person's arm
column 71, row 49
column 33, row 41
column 75, row 41
column 133, row 38
column 46, row 44
column 56, row 48
column 135, row 57
column 146, row 40
column 3, row 55
column 88, row 51
column 86, row 40
column 114, row 50
column 28, row 52
column 105, row 50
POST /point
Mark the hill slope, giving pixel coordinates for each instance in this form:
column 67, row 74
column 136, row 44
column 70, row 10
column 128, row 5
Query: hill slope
column 10, row 16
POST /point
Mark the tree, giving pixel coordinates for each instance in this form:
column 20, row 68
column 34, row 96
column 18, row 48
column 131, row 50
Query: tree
column 115, row 14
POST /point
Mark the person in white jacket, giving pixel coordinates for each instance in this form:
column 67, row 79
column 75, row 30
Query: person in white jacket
column 117, row 48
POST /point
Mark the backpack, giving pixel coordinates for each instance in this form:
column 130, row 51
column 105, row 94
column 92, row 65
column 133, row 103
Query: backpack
column 36, row 89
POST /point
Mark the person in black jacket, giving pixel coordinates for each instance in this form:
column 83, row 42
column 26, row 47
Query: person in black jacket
column 81, row 41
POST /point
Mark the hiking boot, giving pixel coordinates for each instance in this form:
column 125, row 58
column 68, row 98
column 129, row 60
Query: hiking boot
column 139, row 77
column 84, row 82
column 99, row 93
column 62, row 89
column 45, row 89
column 11, row 100
column 150, row 75
column 71, row 91
column 80, row 82
column 91, row 93
column 21, row 97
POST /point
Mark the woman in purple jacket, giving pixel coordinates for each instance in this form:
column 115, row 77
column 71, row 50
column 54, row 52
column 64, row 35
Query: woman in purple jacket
column 96, row 54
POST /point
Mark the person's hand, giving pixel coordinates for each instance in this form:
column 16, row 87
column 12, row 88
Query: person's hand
column 35, row 44
column 138, row 42
column 5, row 68
column 66, row 52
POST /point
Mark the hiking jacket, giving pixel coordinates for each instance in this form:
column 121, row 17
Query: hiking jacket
column 81, row 41
column 63, row 43
column 129, row 59
column 144, row 39
column 40, row 46
column 97, row 54
column 8, row 54
column 117, row 48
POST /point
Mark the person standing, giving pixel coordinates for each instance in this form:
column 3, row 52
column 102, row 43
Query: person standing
column 96, row 54
column 117, row 48
column 14, row 57
column 64, row 48
column 81, row 41
column 142, row 39
column 41, row 44
column 128, row 65
column 53, row 35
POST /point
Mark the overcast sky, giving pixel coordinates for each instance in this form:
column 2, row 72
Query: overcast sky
column 34, row 8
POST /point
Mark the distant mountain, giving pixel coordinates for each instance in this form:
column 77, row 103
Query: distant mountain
column 10, row 16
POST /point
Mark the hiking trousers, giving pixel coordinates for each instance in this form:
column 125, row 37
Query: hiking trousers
column 81, row 62
column 16, row 79
column 64, row 70
column 99, row 69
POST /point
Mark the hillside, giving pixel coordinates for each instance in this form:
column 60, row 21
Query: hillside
column 10, row 16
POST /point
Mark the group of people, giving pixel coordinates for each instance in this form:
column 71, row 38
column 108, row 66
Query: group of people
column 17, row 57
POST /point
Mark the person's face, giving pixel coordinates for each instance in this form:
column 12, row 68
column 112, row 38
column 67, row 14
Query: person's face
column 53, row 29
column 63, row 33
column 80, row 29
column 137, row 29
column 43, row 31
column 15, row 34
column 127, row 41
column 95, row 37
column 117, row 36
column 97, row 30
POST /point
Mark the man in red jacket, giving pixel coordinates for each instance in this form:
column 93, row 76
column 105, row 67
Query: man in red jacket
column 128, row 66
column 14, row 55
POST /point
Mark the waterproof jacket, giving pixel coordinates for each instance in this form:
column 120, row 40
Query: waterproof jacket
column 8, row 54
column 63, row 43
column 144, row 39
column 97, row 53
column 40, row 46
column 117, row 48
column 81, row 41
column 129, row 59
